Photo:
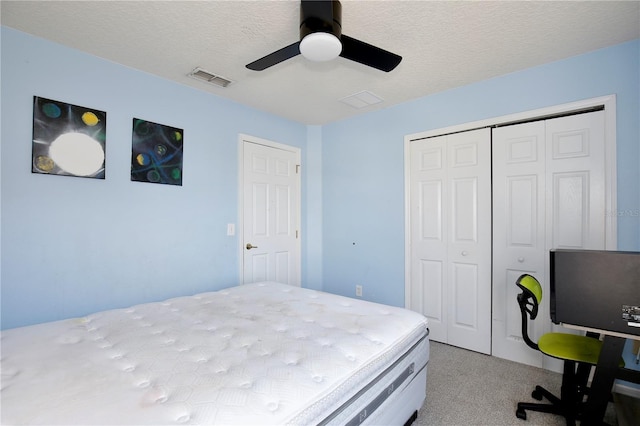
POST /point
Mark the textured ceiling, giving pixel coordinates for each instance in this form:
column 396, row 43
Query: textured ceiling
column 444, row 44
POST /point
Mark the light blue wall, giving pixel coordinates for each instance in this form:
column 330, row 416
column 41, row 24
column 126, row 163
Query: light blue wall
column 312, row 199
column 71, row 246
column 363, row 161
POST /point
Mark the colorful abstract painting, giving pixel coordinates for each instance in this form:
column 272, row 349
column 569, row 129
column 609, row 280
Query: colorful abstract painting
column 68, row 140
column 156, row 154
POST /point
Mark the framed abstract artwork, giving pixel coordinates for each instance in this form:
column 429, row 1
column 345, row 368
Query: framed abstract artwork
column 68, row 140
column 156, row 154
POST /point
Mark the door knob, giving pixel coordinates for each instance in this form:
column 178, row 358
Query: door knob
column 249, row 246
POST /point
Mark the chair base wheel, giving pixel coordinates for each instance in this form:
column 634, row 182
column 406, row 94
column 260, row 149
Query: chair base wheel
column 521, row 414
column 536, row 394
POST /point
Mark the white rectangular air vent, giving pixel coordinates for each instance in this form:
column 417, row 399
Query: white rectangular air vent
column 200, row 74
column 361, row 99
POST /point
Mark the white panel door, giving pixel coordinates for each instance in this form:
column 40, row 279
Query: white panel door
column 451, row 237
column 576, row 181
column 271, row 197
column 519, row 233
column 429, row 223
column 549, row 192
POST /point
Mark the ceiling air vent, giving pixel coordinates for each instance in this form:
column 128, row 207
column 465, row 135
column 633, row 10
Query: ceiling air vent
column 200, row 74
column 361, row 99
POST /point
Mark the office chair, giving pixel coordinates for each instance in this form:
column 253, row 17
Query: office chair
column 579, row 353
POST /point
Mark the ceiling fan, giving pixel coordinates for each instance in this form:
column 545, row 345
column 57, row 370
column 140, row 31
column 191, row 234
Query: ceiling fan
column 321, row 39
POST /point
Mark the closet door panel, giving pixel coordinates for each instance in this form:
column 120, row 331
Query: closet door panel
column 521, row 202
column 431, row 211
column 518, row 231
column 429, row 233
column 521, row 236
column 468, row 246
column 451, row 238
column 570, row 217
column 431, row 295
column 430, row 282
column 464, row 208
column 465, row 285
column 576, row 187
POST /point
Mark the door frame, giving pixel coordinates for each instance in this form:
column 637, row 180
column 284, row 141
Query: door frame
column 242, row 139
column 607, row 102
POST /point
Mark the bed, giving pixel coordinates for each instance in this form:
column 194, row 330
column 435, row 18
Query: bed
column 255, row 354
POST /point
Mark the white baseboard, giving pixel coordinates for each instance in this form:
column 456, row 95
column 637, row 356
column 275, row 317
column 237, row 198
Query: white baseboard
column 625, row 389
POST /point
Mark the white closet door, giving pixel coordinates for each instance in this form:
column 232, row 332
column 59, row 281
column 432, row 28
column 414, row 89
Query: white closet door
column 576, row 181
column 451, row 237
column 549, row 192
column 428, row 233
column 518, row 234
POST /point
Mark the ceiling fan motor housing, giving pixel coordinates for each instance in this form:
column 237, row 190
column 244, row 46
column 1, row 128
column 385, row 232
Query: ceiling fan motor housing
column 321, row 16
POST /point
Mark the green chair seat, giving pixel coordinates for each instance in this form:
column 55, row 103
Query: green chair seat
column 571, row 346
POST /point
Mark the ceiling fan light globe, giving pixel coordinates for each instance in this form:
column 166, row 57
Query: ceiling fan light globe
column 320, row 47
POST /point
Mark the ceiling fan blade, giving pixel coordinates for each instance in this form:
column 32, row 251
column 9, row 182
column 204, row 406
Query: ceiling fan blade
column 367, row 54
column 275, row 57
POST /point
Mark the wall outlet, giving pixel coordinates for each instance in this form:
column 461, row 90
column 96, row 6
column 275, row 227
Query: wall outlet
column 359, row 290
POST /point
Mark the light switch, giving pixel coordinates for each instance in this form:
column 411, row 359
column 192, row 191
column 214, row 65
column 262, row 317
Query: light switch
column 231, row 229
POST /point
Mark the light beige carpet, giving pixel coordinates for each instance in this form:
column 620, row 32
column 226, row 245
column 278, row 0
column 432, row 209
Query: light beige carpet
column 469, row 388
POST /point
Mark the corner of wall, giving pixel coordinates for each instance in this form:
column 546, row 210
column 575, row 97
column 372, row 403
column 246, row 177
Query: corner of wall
column 312, row 199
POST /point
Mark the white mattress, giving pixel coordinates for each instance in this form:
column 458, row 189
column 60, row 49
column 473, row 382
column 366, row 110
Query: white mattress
column 262, row 353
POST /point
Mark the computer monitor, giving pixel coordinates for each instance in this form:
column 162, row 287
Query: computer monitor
column 597, row 289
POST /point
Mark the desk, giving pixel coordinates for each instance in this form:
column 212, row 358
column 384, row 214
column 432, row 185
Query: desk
column 598, row 291
column 607, row 371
